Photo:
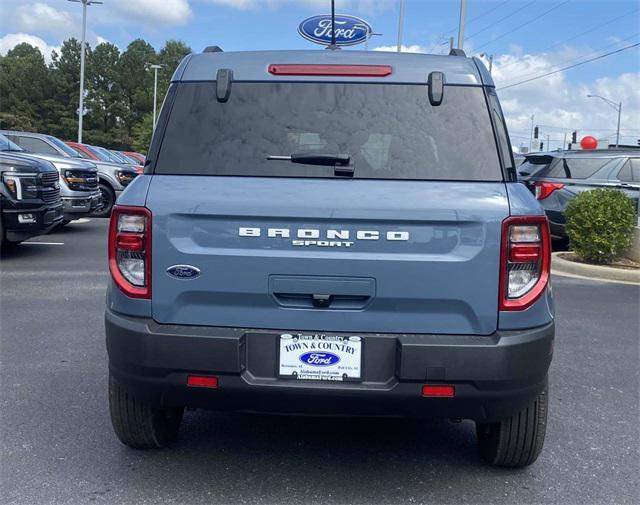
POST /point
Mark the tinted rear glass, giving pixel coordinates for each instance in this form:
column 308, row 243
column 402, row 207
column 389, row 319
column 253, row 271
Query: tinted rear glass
column 575, row 168
column 389, row 131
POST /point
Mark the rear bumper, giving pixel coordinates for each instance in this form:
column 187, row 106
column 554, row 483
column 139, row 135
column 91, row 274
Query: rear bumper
column 494, row 376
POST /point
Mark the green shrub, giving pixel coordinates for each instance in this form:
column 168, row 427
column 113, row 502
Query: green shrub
column 600, row 225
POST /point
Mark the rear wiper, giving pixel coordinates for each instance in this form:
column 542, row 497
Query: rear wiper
column 340, row 162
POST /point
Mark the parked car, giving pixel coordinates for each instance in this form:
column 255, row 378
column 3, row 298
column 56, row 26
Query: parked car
column 78, row 180
column 112, row 177
column 130, row 159
column 557, row 177
column 346, row 236
column 137, row 156
column 30, row 203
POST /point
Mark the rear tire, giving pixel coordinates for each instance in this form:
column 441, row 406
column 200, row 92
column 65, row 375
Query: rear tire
column 516, row 441
column 137, row 424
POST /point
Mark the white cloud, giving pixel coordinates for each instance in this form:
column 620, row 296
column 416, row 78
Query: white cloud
column 42, row 18
column 11, row 40
column 153, row 12
column 560, row 106
column 415, row 48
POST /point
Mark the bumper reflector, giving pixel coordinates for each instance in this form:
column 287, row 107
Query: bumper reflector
column 431, row 390
column 202, row 381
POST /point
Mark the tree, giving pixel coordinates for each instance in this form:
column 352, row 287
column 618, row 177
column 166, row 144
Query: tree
column 136, row 84
column 24, row 88
column 104, row 103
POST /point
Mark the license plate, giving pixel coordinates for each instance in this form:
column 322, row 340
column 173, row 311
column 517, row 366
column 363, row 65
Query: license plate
column 320, row 357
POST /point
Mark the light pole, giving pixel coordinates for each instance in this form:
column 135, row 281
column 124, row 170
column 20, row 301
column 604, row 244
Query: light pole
column 463, row 15
column 84, row 34
column 616, row 106
column 400, row 25
column 155, row 68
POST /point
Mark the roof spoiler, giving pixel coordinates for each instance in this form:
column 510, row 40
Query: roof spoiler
column 212, row 49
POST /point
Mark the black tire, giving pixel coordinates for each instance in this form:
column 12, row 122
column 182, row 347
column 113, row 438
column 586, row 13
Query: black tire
column 515, row 442
column 137, row 424
column 108, row 200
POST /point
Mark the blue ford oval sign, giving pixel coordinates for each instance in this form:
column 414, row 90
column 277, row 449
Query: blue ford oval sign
column 350, row 30
column 319, row 358
column 183, row 271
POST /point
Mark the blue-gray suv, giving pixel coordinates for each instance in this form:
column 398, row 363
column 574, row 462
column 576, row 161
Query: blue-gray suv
column 331, row 232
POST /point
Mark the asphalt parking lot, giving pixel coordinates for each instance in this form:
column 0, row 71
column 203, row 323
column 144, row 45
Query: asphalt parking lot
column 57, row 445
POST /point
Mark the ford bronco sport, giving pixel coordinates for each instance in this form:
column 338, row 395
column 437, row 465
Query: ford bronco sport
column 331, row 232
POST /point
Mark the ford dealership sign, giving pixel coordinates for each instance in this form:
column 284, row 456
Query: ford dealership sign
column 350, row 30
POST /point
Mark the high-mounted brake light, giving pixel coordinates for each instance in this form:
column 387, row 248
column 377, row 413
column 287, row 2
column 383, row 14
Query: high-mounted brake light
column 130, row 250
column 525, row 261
column 336, row 70
column 544, row 189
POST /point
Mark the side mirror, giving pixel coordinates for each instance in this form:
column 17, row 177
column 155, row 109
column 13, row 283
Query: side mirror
column 224, row 78
column 436, row 87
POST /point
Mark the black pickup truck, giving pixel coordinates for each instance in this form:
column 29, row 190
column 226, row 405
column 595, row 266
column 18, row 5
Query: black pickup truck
column 30, row 201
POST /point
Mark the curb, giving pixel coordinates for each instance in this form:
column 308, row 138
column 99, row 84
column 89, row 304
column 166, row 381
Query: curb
column 560, row 266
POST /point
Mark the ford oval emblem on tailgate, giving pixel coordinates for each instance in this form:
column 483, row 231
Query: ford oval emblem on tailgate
column 319, row 358
column 183, row 271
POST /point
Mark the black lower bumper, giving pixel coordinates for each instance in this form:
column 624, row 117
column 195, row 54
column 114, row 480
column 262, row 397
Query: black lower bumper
column 45, row 217
column 494, row 376
column 77, row 207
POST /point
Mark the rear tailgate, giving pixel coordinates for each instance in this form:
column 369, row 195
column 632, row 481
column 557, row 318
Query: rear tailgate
column 380, row 256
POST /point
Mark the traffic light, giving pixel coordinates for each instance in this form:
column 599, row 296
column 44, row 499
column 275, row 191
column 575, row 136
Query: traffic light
column 574, row 137
column 535, row 133
column 541, row 146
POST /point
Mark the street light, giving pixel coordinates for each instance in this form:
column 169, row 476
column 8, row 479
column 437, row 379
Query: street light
column 616, row 106
column 84, row 33
column 155, row 68
column 400, row 25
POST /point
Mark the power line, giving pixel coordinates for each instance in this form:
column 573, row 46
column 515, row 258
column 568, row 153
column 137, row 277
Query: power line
column 523, row 24
column 575, row 59
column 572, row 66
column 592, row 29
column 500, row 20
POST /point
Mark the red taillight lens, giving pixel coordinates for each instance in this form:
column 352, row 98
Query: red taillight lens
column 130, row 250
column 336, row 70
column 437, row 390
column 544, row 189
column 202, row 381
column 525, row 261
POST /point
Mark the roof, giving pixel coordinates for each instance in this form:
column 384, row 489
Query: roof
column 407, row 67
column 588, row 153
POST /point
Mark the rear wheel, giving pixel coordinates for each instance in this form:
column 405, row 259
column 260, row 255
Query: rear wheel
column 517, row 440
column 137, row 424
column 108, row 200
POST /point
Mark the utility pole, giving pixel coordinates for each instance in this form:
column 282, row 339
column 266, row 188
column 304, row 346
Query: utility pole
column 155, row 69
column 531, row 135
column 564, row 141
column 548, row 147
column 84, row 3
column 400, row 25
column 617, row 107
column 463, row 15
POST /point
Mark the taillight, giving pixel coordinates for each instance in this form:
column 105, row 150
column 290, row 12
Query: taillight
column 130, row 250
column 525, row 261
column 544, row 189
column 330, row 70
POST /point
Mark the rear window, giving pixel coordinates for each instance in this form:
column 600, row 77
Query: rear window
column 390, row 131
column 575, row 168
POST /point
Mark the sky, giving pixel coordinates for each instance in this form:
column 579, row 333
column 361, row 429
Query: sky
column 527, row 38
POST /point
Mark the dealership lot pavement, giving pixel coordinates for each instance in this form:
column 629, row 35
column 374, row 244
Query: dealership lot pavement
column 57, row 445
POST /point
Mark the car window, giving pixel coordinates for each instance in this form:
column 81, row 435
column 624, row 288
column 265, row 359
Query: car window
column 501, row 130
column 630, row 172
column 63, row 147
column 390, row 131
column 81, row 153
column 7, row 144
column 34, row 145
column 575, row 168
column 533, row 165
